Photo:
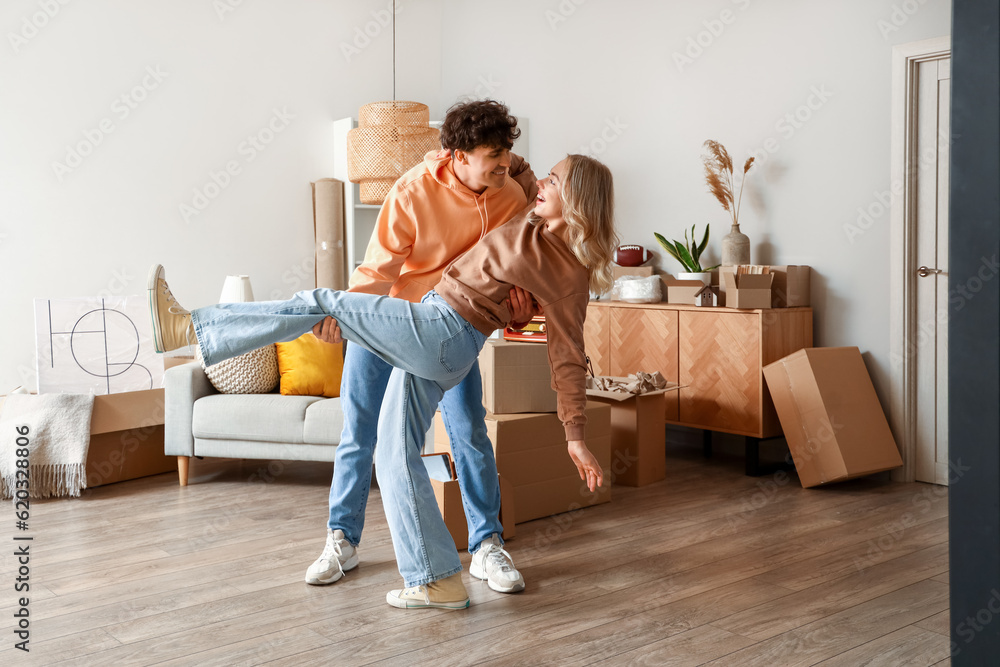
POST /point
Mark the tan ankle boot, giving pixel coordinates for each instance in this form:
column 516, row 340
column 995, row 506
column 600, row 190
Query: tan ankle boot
column 172, row 327
column 447, row 593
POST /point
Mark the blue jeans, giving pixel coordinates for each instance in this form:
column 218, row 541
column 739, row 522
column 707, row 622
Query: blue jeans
column 432, row 349
column 362, row 390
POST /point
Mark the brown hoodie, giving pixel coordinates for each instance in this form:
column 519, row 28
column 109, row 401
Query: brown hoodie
column 428, row 219
column 532, row 257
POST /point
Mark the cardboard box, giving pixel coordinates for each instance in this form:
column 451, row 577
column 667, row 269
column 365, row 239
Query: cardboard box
column 747, row 291
column 638, row 438
column 449, row 500
column 126, row 438
column 682, row 291
column 830, row 414
column 516, row 377
column 531, row 455
column 790, row 287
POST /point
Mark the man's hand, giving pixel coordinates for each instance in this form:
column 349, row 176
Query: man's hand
column 586, row 464
column 522, row 307
column 328, row 331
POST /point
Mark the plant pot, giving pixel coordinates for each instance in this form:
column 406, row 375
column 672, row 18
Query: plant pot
column 705, row 276
column 735, row 248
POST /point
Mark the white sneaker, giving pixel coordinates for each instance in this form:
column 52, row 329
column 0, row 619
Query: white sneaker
column 494, row 565
column 338, row 557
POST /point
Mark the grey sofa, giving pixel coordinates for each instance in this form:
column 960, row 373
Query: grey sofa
column 199, row 421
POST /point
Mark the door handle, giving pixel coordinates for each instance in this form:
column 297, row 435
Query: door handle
column 923, row 271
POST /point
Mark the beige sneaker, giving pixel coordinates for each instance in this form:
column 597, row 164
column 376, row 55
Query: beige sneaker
column 447, row 593
column 171, row 323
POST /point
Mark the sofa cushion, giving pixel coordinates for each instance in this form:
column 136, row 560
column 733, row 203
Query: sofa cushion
column 324, row 422
column 256, row 417
column 310, row 367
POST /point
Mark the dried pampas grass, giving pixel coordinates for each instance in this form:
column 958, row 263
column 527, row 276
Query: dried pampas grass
column 719, row 177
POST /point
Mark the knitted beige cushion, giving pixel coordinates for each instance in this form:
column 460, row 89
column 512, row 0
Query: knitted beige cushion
column 251, row 373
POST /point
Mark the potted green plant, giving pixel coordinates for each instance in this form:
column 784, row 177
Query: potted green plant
column 689, row 255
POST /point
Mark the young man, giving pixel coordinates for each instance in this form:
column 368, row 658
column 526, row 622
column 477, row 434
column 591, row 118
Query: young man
column 434, row 213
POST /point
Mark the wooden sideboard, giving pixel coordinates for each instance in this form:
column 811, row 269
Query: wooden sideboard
column 715, row 354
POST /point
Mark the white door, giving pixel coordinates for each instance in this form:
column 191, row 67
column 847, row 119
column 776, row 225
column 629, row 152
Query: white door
column 930, row 269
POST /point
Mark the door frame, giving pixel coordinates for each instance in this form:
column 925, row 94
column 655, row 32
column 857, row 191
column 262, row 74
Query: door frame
column 906, row 59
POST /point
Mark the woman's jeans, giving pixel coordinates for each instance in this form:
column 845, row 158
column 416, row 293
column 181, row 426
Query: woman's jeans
column 431, row 347
column 362, row 389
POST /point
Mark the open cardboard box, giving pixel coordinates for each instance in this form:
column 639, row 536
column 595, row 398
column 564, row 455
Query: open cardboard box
column 637, row 434
column 747, row 291
column 790, row 288
column 126, row 438
column 831, row 416
column 681, row 291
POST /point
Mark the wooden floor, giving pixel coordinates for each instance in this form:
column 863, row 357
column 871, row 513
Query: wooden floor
column 709, row 567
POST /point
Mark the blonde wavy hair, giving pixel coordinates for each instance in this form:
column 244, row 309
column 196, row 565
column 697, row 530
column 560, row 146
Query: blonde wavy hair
column 588, row 207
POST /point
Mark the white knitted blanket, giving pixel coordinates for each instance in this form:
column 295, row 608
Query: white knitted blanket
column 58, row 435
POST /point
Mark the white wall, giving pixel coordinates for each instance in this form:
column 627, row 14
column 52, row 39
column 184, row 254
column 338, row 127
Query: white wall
column 603, row 77
column 101, row 226
column 588, row 74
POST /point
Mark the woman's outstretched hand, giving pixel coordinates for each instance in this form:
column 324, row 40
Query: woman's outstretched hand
column 328, row 331
column 586, row 464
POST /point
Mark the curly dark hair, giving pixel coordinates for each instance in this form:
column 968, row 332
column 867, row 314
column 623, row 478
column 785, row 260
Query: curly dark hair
column 470, row 125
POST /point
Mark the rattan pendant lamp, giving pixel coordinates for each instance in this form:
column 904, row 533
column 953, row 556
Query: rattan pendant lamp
column 390, row 138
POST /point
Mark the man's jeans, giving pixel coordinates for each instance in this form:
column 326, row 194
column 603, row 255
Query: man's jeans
column 362, row 390
column 431, row 347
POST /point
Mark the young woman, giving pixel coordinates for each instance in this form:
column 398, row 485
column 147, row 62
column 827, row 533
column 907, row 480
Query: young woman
column 559, row 252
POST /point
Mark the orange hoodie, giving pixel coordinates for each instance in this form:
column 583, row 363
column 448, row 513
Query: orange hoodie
column 429, row 218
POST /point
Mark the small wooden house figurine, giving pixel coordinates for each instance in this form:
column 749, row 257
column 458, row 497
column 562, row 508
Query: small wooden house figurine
column 706, row 296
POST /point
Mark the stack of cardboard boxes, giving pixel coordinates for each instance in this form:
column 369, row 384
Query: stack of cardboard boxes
column 528, row 438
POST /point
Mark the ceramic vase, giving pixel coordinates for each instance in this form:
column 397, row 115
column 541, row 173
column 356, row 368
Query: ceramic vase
column 735, row 248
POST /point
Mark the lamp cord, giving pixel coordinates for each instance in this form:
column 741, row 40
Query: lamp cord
column 393, row 50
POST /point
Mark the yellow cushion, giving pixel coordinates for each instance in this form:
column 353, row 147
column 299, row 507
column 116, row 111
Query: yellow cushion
column 310, row 367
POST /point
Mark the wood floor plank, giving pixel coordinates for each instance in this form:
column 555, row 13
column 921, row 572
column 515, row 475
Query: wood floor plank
column 708, row 565
column 906, row 646
column 832, row 635
column 830, row 597
column 939, row 623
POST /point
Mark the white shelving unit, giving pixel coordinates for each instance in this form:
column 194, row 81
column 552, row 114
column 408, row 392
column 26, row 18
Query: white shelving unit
column 359, row 219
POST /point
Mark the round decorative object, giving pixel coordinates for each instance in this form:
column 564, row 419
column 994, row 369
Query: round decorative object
column 631, row 255
column 390, row 138
column 255, row 372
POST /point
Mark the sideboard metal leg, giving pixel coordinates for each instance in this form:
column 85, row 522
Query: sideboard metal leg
column 706, row 444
